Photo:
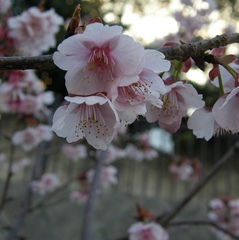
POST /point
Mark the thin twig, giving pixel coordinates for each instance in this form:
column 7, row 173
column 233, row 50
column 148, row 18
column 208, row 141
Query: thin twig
column 169, row 216
column 203, row 222
column 192, row 49
column 87, row 219
column 20, row 218
column 8, row 178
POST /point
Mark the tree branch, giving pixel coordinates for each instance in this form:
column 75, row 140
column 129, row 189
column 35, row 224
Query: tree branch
column 203, row 222
column 179, row 52
column 169, row 216
column 90, row 202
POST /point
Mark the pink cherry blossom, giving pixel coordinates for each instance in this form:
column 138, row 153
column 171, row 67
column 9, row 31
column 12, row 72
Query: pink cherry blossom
column 107, row 176
column 131, row 100
column 203, row 124
column 225, row 106
column 148, row 231
column 179, row 97
column 34, row 31
column 27, row 138
column 96, row 58
column 93, row 118
column 48, row 183
column 74, row 152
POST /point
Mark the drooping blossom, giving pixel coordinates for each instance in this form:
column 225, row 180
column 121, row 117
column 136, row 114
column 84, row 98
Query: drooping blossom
column 131, row 100
column 93, row 118
column 48, row 183
column 97, row 59
column 179, row 97
column 107, row 176
column 224, row 212
column 148, row 231
column 74, row 152
column 33, row 32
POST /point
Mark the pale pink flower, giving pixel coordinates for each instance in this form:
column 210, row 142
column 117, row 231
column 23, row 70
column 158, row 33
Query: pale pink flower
column 97, row 59
column 74, row 152
column 203, row 123
column 48, row 183
column 27, row 138
column 107, row 176
column 131, row 99
column 78, row 196
column 227, row 105
column 148, row 231
column 179, row 97
column 5, row 6
column 93, row 118
column 20, row 164
column 134, row 153
column 34, row 31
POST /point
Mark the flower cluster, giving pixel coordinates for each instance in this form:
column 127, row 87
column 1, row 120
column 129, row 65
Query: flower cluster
column 33, row 32
column 109, row 78
column 23, row 93
column 225, row 213
column 74, row 153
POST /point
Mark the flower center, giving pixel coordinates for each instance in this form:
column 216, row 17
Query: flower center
column 100, row 61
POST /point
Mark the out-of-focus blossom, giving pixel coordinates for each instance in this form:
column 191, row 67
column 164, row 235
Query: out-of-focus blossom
column 113, row 154
column 78, row 196
column 74, row 152
column 5, row 6
column 20, row 164
column 148, row 231
column 30, row 137
column 34, row 31
column 107, row 176
column 179, row 97
column 185, row 169
column 48, row 183
column 224, row 212
column 93, row 118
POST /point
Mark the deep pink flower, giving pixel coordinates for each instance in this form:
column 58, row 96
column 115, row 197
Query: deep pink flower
column 96, row 58
column 93, row 118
